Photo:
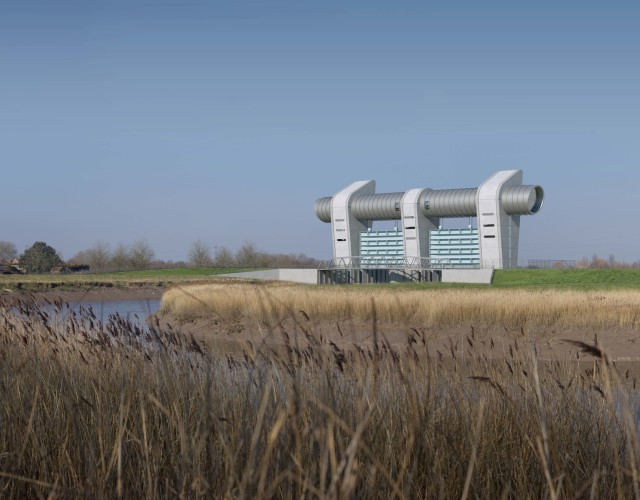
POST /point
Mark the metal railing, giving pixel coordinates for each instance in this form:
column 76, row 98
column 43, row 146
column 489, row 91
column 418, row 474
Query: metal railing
column 551, row 264
column 386, row 262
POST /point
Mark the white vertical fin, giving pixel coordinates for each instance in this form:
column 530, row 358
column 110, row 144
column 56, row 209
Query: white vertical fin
column 498, row 232
column 344, row 227
column 415, row 226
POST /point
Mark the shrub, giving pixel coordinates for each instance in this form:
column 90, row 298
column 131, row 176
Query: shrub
column 40, row 258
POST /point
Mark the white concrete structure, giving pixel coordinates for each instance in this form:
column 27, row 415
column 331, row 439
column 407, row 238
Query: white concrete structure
column 415, row 226
column 482, row 276
column 498, row 204
column 498, row 231
column 345, row 227
column 306, row 276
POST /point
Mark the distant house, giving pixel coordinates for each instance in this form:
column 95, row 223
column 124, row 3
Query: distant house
column 11, row 267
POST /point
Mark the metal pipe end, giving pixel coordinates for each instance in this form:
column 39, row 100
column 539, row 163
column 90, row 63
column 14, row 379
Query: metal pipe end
column 536, row 199
column 322, row 208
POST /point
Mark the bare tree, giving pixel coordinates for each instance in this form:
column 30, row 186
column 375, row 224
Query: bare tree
column 119, row 260
column 200, row 254
column 224, row 258
column 7, row 251
column 248, row 256
column 141, row 255
column 98, row 257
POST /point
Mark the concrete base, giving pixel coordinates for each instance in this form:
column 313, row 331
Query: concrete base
column 467, row 276
column 359, row 276
column 307, row 276
column 310, row 276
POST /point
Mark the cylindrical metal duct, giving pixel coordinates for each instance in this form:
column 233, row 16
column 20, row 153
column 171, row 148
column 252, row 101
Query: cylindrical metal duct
column 322, row 207
column 378, row 206
column 451, row 203
column 517, row 200
column 522, row 200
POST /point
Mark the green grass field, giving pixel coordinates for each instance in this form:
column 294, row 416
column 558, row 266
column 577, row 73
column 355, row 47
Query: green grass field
column 575, row 279
column 572, row 279
column 568, row 279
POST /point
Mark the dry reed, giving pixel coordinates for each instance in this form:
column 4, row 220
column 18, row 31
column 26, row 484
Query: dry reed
column 434, row 308
column 112, row 410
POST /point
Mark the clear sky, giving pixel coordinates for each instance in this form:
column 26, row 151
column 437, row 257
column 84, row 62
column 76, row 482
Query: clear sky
column 225, row 120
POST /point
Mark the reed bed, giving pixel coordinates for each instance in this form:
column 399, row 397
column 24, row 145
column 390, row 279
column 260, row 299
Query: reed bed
column 531, row 309
column 112, row 410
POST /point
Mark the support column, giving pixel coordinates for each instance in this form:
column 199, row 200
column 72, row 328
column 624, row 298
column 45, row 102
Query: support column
column 415, row 226
column 345, row 228
column 498, row 232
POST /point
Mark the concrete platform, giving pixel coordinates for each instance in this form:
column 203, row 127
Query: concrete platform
column 483, row 276
column 310, row 276
column 306, row 276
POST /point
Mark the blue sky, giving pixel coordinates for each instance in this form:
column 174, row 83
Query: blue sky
column 224, row 121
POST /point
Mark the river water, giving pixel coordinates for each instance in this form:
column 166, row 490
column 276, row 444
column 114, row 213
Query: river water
column 134, row 310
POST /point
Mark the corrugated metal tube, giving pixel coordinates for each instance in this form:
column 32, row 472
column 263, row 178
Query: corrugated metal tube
column 516, row 200
column 377, row 206
column 522, row 200
column 451, row 203
column 322, row 207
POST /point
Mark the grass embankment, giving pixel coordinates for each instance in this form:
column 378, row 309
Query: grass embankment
column 563, row 279
column 101, row 412
column 575, row 279
column 529, row 309
column 150, row 278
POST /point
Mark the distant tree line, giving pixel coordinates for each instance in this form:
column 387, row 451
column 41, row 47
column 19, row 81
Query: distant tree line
column 101, row 258
column 248, row 255
column 597, row 262
column 139, row 255
column 42, row 258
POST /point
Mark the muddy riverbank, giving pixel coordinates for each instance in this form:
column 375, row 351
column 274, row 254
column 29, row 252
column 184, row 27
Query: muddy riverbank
column 97, row 294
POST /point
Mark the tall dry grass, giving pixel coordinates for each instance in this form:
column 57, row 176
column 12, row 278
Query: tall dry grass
column 112, row 410
column 437, row 308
